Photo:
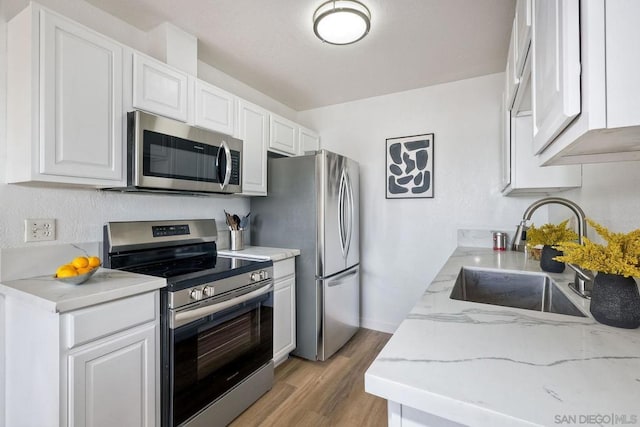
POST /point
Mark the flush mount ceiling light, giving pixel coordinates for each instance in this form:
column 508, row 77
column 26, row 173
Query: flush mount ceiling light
column 341, row 21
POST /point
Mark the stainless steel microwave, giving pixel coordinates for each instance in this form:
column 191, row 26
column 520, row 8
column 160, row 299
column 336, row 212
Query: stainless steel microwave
column 167, row 155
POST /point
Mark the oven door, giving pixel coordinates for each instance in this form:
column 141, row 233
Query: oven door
column 214, row 347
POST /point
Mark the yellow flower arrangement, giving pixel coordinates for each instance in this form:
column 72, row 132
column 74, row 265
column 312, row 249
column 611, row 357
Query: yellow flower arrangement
column 620, row 256
column 550, row 234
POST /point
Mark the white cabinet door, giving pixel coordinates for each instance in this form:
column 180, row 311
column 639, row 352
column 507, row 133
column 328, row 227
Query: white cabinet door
column 505, row 179
column 113, row 382
column 512, row 79
column 522, row 28
column 81, row 102
column 284, row 318
column 214, row 108
column 309, row 140
column 159, row 89
column 64, row 102
column 253, row 130
column 555, row 68
column 283, row 135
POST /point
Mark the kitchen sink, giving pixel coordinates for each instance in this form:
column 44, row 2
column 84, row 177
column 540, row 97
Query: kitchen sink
column 531, row 291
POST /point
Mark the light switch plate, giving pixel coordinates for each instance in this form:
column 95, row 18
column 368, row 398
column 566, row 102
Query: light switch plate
column 38, row 230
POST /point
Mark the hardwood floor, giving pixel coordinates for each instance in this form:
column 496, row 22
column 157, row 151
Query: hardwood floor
column 327, row 393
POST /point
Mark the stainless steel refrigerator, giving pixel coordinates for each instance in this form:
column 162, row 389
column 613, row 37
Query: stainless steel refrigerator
column 312, row 205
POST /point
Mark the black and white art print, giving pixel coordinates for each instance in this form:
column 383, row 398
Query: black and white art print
column 410, row 167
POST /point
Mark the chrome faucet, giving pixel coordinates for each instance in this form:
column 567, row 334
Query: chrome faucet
column 583, row 279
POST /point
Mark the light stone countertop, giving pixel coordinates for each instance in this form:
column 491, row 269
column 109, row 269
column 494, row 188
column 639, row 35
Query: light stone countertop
column 487, row 365
column 261, row 253
column 105, row 285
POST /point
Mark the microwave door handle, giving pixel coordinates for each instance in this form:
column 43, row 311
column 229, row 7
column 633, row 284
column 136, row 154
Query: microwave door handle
column 224, row 148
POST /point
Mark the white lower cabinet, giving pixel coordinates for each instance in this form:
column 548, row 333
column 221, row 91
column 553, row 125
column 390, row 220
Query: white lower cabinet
column 284, row 309
column 94, row 367
column 112, row 383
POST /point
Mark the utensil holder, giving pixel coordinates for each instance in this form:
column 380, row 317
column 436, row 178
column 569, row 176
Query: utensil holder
column 236, row 242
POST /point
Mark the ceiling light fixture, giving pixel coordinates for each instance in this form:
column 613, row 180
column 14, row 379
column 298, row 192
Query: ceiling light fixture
column 341, row 22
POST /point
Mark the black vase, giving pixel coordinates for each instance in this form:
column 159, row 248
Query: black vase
column 615, row 301
column 547, row 263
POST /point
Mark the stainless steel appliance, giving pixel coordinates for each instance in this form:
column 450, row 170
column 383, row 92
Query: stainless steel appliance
column 312, row 204
column 169, row 156
column 216, row 318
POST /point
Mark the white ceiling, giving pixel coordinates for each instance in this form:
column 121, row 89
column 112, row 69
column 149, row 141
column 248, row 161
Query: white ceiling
column 270, row 45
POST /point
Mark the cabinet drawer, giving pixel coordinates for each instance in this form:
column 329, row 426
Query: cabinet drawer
column 88, row 324
column 284, row 268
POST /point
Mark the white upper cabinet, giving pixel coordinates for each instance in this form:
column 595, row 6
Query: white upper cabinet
column 253, row 130
column 512, row 78
column 521, row 171
column 214, row 109
column 608, row 126
column 64, row 102
column 556, row 68
column 522, row 33
column 283, row 136
column 309, row 140
column 159, row 88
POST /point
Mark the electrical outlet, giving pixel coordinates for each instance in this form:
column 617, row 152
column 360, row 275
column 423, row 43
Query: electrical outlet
column 38, row 230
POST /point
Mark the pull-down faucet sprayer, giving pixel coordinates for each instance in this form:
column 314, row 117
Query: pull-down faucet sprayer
column 583, row 278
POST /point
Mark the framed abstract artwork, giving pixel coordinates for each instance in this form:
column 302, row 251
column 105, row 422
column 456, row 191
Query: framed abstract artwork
column 410, row 167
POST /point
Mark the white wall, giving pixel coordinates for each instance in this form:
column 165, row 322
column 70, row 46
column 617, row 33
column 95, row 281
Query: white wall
column 405, row 242
column 609, row 195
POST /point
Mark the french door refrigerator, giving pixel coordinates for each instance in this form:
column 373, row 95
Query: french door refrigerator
column 312, row 205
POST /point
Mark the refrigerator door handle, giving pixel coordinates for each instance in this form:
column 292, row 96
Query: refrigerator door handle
column 341, row 219
column 339, row 280
column 349, row 197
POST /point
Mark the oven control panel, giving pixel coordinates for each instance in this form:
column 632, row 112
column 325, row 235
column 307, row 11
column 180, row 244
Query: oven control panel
column 257, row 276
column 180, row 298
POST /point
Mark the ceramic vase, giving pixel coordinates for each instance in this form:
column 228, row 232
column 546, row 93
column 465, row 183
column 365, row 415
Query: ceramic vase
column 547, row 263
column 615, row 301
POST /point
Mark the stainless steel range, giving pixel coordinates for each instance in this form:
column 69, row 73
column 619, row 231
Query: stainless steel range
column 216, row 317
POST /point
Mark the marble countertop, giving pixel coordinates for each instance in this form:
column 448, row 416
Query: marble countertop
column 486, row 365
column 105, row 285
column 261, row 253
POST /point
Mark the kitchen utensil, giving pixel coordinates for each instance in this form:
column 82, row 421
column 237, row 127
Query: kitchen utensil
column 236, row 221
column 244, row 222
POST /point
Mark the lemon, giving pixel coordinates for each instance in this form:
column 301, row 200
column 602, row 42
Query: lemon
column 80, row 262
column 64, row 267
column 94, row 261
column 66, row 271
column 84, row 270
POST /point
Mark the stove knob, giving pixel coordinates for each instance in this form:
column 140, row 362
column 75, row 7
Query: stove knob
column 196, row 294
column 255, row 277
column 208, row 291
column 263, row 275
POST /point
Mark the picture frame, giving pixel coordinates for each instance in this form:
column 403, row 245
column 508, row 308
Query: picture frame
column 409, row 167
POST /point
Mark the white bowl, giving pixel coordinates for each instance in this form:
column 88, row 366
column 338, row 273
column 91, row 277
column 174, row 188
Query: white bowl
column 77, row 280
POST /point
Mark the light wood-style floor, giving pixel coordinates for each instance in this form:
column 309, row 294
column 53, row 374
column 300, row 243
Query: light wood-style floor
column 331, row 393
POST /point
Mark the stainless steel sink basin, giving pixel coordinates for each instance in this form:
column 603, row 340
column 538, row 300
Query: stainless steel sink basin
column 531, row 291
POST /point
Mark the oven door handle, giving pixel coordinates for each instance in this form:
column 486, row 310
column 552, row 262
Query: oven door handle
column 179, row 318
